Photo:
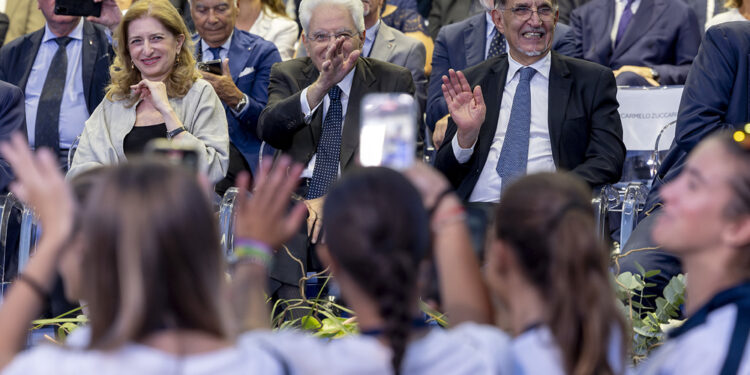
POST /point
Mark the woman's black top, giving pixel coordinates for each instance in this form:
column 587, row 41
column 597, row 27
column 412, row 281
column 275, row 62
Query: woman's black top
column 135, row 142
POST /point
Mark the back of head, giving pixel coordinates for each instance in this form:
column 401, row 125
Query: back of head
column 547, row 219
column 377, row 231
column 152, row 259
column 124, row 74
column 355, row 8
column 737, row 145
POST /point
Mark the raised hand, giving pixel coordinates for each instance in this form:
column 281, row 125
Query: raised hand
column 335, row 67
column 111, row 14
column 263, row 217
column 40, row 184
column 466, row 107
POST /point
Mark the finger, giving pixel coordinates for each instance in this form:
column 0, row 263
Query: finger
column 316, row 230
column 463, row 82
column 478, row 96
column 352, row 59
column 225, row 67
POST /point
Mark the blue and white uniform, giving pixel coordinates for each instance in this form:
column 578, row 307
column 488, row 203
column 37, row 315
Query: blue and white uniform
column 711, row 341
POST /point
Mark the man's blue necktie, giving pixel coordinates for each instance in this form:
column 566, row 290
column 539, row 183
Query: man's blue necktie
column 216, row 51
column 627, row 15
column 515, row 152
column 329, row 148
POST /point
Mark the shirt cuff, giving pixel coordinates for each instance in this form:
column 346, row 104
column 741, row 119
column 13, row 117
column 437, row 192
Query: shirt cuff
column 306, row 111
column 462, row 154
column 244, row 109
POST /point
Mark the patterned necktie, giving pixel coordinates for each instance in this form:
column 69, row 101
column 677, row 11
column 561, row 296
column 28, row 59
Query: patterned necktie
column 216, row 51
column 497, row 45
column 329, row 148
column 47, row 126
column 627, row 15
column 515, row 152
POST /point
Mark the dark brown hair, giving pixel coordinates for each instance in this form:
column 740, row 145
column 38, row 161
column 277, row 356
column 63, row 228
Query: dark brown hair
column 151, row 255
column 548, row 221
column 382, row 235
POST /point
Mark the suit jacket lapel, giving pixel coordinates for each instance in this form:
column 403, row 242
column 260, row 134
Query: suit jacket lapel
column 648, row 14
column 363, row 80
column 239, row 53
column 605, row 13
column 560, row 85
column 309, row 75
column 493, row 87
column 475, row 39
column 90, row 52
column 31, row 44
column 382, row 46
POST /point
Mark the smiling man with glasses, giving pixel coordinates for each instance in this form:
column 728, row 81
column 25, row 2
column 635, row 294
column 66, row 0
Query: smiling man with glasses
column 530, row 110
column 314, row 105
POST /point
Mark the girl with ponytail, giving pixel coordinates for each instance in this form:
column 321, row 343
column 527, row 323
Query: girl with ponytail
column 549, row 269
column 378, row 235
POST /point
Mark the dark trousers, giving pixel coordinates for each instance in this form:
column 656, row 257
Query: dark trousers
column 237, row 164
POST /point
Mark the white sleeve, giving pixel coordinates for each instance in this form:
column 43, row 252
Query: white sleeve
column 462, row 154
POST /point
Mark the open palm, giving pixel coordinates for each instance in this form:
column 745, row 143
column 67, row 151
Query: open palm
column 466, row 107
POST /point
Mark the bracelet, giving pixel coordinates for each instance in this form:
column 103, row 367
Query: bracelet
column 38, row 290
column 173, row 133
column 247, row 250
column 457, row 214
column 439, row 200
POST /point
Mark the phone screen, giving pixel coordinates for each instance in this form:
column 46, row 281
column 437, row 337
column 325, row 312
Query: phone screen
column 388, row 131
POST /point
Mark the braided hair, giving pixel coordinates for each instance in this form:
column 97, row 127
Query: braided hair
column 381, row 235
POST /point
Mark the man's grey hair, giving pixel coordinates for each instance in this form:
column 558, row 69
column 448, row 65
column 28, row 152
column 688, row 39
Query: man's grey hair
column 500, row 4
column 235, row 2
column 354, row 7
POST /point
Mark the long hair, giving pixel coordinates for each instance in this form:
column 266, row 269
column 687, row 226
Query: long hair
column 548, row 221
column 275, row 6
column 123, row 72
column 739, row 205
column 151, row 255
column 381, row 236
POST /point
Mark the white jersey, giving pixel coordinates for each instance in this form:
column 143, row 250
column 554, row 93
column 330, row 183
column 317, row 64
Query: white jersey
column 711, row 341
column 468, row 348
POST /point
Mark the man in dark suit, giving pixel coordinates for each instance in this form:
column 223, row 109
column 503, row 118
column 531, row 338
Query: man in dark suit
column 12, row 119
column 544, row 111
column 712, row 100
column 243, row 85
column 314, row 105
column 645, row 42
column 460, row 46
column 30, row 61
column 3, row 27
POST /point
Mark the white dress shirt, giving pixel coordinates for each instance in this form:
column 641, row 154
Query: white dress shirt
column 370, row 35
column 346, row 87
column 540, row 159
column 619, row 8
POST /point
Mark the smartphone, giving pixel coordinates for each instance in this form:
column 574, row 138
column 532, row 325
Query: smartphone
column 388, row 130
column 211, row 66
column 83, row 8
column 175, row 152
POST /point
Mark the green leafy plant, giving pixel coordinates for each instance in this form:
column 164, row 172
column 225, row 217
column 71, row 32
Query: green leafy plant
column 649, row 324
column 66, row 323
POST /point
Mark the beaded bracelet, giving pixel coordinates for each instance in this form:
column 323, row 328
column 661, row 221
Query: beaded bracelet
column 247, row 250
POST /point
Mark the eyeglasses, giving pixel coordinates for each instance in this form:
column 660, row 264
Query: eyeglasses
column 321, row 37
column 545, row 12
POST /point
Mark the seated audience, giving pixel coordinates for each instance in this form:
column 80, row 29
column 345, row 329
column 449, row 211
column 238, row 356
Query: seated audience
column 149, row 267
column 403, row 16
column 463, row 45
column 63, row 69
column 544, row 112
column 548, row 268
column 447, row 12
column 12, row 119
column 156, row 92
column 242, row 85
column 738, row 11
column 645, row 42
column 712, row 100
column 706, row 222
column 268, row 19
column 376, row 241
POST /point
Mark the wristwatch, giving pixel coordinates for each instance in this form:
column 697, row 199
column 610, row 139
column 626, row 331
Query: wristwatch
column 173, row 133
column 238, row 108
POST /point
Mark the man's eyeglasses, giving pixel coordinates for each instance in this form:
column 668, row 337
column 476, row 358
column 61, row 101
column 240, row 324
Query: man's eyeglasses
column 545, row 12
column 321, row 37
